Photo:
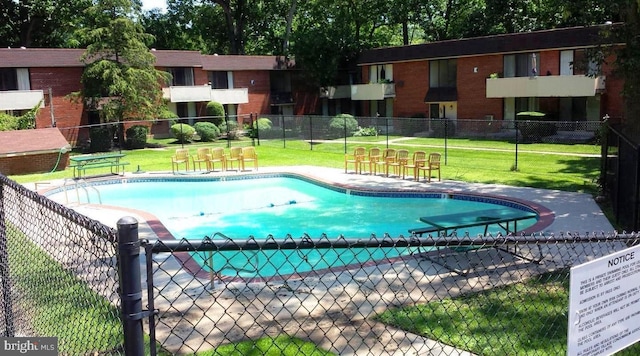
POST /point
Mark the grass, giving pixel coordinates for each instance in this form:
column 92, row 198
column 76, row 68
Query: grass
column 59, row 304
column 561, row 167
column 491, row 322
column 280, row 345
column 470, row 322
column 527, row 318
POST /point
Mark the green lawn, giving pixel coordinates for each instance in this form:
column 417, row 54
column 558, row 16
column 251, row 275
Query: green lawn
column 538, row 165
column 491, row 322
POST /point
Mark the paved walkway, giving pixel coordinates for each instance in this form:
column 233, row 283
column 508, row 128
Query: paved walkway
column 335, row 310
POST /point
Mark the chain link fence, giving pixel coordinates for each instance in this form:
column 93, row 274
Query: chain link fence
column 320, row 129
column 317, row 132
column 491, row 295
column 58, row 274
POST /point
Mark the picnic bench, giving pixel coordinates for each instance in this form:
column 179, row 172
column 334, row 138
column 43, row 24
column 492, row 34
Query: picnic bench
column 445, row 226
column 81, row 164
column 442, row 224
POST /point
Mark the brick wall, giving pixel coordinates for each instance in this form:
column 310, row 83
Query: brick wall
column 259, row 91
column 472, row 87
column 612, row 101
column 549, row 63
column 36, row 163
column 411, row 82
column 62, row 81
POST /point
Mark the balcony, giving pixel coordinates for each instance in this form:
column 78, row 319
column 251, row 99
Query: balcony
column 21, row 99
column 204, row 93
column 337, row 92
column 230, row 96
column 545, row 86
column 376, row 91
column 187, row 94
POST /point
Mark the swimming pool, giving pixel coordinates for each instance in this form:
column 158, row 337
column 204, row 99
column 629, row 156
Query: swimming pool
column 282, row 205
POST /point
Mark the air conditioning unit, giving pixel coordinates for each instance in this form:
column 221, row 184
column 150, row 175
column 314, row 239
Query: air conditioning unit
column 488, row 117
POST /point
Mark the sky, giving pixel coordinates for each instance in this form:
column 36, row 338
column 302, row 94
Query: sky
column 150, row 4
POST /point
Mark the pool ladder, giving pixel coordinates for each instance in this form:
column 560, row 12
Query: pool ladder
column 80, row 184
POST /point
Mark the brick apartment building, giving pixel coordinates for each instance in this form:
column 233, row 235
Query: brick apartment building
column 245, row 85
column 492, row 77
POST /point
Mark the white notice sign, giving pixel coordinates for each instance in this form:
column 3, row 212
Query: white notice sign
column 604, row 304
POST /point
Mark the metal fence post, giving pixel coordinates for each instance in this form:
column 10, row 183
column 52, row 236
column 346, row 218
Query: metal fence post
column 345, row 134
column 515, row 166
column 6, row 301
column 130, row 285
column 310, row 133
column 226, row 122
column 446, row 137
column 284, row 133
column 387, row 129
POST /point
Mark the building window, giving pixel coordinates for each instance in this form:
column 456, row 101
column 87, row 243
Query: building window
column 443, row 73
column 181, row 76
column 182, row 110
column 584, row 63
column 381, row 73
column 521, row 65
column 280, row 81
column 219, row 80
column 8, row 79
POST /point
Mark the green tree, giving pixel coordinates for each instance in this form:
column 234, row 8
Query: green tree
column 329, row 35
column 40, row 23
column 120, row 78
column 628, row 63
column 186, row 25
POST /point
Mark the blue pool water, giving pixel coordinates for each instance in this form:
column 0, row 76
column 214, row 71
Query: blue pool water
column 280, row 206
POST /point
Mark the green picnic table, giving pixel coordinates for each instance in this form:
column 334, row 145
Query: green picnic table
column 81, row 164
column 442, row 224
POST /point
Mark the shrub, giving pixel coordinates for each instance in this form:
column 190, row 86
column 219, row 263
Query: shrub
column 183, row 132
column 101, row 139
column 23, row 122
column 534, row 131
column 137, row 136
column 366, row 131
column 342, row 123
column 8, row 122
column 261, row 127
column 216, row 111
column 230, row 128
column 207, row 131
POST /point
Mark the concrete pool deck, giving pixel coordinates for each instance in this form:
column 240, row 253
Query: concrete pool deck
column 334, row 310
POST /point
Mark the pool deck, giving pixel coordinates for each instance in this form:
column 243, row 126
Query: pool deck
column 337, row 320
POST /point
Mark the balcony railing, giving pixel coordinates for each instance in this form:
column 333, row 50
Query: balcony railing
column 230, row 96
column 337, row 92
column 187, row 94
column 545, row 86
column 21, row 99
column 204, row 93
column 378, row 91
